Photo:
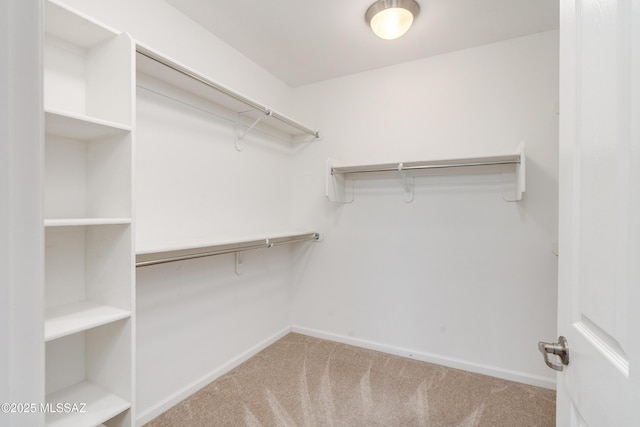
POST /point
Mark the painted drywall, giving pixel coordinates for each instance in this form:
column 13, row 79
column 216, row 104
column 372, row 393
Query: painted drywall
column 193, row 187
column 458, row 276
column 21, row 226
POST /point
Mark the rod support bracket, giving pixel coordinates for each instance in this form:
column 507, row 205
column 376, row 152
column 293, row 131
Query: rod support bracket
column 239, row 265
column 241, row 133
column 407, row 183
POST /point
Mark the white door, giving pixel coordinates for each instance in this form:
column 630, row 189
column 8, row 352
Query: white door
column 599, row 262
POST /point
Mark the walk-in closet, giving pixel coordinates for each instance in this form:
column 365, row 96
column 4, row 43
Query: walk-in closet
column 261, row 213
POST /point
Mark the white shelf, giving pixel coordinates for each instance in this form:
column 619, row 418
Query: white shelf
column 219, row 247
column 80, row 222
column 247, row 111
column 339, row 184
column 79, row 316
column 80, row 127
column 101, row 406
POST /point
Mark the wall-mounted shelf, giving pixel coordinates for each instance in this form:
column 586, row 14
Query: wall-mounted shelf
column 339, row 185
column 249, row 114
column 146, row 258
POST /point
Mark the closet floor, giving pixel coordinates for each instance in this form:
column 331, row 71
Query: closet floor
column 305, row 381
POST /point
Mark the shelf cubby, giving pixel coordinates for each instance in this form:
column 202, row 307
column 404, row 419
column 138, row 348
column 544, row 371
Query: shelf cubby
column 88, row 263
column 91, row 369
column 88, row 68
column 87, row 178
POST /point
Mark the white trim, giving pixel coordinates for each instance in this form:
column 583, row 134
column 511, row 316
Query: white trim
column 465, row 365
column 162, row 406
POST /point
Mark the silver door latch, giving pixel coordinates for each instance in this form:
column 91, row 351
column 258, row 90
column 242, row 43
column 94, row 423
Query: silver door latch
column 560, row 348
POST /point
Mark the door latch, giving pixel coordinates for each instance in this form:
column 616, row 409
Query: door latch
column 560, row 349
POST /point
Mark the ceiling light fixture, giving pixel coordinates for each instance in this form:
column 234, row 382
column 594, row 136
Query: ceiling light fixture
column 390, row 19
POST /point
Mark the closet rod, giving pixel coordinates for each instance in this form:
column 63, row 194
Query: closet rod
column 432, row 164
column 220, row 88
column 143, row 260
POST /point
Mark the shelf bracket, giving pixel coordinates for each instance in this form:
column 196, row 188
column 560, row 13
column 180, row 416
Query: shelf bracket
column 514, row 182
column 338, row 187
column 240, row 133
column 407, row 184
column 239, row 265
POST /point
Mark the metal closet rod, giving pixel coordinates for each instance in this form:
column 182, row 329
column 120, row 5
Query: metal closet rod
column 220, row 88
column 143, row 260
column 429, row 164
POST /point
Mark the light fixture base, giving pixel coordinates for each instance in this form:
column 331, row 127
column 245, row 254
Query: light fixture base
column 390, row 19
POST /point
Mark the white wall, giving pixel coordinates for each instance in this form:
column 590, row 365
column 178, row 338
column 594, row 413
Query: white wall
column 21, row 227
column 196, row 317
column 459, row 276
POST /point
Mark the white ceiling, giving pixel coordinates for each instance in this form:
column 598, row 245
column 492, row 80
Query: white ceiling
column 303, row 41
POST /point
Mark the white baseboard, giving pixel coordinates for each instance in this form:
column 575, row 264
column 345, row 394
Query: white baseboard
column 180, row 395
column 464, row 365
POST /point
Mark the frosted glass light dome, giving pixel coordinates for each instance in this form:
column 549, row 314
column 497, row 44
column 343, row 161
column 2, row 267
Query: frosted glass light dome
column 390, row 19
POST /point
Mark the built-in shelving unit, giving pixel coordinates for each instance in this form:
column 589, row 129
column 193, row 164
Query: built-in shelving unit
column 339, row 185
column 89, row 268
column 247, row 113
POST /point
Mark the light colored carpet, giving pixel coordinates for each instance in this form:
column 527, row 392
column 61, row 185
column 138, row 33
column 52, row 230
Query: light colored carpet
column 304, row 381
